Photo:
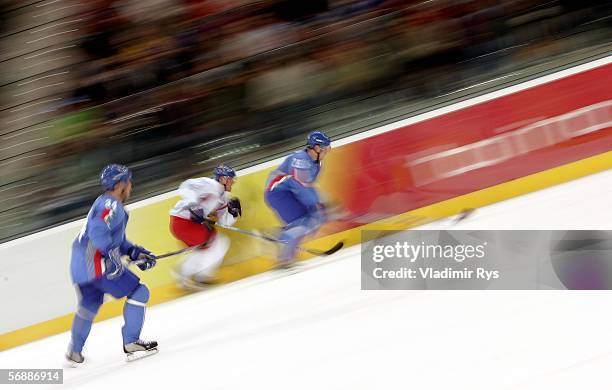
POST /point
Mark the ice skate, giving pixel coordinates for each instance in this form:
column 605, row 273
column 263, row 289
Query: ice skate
column 74, row 359
column 139, row 349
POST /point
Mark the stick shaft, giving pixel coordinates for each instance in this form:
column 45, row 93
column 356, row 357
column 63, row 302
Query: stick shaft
column 271, row 239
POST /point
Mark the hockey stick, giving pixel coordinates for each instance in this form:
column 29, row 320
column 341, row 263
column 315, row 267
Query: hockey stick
column 423, row 220
column 170, row 254
column 464, row 214
column 315, row 252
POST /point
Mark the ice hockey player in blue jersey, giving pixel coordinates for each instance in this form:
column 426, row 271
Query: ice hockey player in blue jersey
column 291, row 193
column 96, row 267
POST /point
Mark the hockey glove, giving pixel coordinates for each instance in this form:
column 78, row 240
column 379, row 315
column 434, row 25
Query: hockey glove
column 234, row 207
column 197, row 214
column 141, row 257
column 209, row 224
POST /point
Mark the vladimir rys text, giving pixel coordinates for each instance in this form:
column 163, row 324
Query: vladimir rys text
column 430, row 261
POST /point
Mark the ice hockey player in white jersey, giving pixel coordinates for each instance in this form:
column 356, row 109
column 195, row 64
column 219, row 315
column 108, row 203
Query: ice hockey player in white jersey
column 202, row 200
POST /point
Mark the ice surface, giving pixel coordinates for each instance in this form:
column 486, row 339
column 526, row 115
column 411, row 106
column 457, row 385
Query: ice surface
column 316, row 329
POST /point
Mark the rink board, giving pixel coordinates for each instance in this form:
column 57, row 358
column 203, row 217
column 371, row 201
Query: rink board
column 504, row 144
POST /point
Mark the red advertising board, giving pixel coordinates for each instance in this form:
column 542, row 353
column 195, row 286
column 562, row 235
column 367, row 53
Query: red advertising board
column 475, row 147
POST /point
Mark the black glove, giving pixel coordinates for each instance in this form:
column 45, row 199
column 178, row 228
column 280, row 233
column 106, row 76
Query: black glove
column 209, row 224
column 234, row 207
column 143, row 258
column 197, row 214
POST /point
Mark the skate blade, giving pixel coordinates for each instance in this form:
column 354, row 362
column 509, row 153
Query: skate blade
column 71, row 364
column 131, row 356
column 192, row 285
column 289, row 268
column 189, row 284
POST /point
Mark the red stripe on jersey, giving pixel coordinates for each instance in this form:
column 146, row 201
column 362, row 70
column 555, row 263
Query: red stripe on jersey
column 104, row 214
column 98, row 264
column 274, row 181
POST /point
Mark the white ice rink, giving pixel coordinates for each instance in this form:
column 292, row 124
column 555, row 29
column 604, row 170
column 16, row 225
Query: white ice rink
column 317, row 330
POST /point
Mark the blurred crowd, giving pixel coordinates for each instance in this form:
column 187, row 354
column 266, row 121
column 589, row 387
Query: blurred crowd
column 172, row 87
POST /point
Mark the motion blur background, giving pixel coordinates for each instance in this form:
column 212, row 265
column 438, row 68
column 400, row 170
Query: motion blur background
column 173, row 87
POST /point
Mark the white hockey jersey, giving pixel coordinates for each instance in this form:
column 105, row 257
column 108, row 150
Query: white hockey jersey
column 204, row 196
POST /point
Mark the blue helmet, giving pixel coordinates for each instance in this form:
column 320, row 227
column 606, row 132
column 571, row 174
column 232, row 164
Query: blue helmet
column 113, row 174
column 223, row 170
column 318, row 138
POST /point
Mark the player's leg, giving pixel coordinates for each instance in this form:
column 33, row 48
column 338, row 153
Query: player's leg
column 133, row 315
column 89, row 301
column 300, row 222
column 295, row 232
column 201, row 265
column 189, row 232
column 285, row 205
column 128, row 285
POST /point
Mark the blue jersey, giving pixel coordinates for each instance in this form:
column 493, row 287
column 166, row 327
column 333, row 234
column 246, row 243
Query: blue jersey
column 102, row 238
column 297, row 174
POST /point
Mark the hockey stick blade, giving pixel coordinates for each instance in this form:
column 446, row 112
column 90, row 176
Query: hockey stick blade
column 464, row 214
column 328, row 252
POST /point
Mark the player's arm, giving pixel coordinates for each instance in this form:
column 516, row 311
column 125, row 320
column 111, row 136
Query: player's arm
column 302, row 184
column 228, row 215
column 143, row 258
column 308, row 196
column 125, row 246
column 189, row 191
column 101, row 226
column 194, row 192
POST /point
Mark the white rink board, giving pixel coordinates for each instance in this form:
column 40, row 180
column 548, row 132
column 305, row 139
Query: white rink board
column 317, row 330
